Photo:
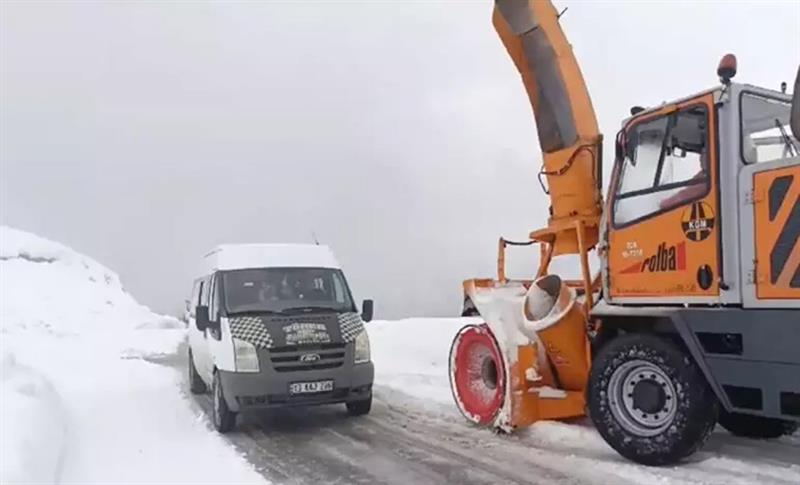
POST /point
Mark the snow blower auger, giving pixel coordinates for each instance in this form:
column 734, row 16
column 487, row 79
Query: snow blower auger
column 694, row 313
column 530, row 359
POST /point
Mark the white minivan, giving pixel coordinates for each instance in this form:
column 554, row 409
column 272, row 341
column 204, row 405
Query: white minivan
column 275, row 325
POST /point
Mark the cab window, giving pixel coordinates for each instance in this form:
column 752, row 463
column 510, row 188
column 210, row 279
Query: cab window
column 665, row 165
column 765, row 131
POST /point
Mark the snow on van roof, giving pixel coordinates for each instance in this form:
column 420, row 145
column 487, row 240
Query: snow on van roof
column 241, row 256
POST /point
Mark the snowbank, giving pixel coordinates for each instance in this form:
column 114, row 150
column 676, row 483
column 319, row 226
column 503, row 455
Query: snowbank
column 77, row 370
column 33, row 425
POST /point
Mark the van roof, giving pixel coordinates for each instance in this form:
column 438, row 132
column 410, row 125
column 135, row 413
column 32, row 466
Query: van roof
column 243, row 256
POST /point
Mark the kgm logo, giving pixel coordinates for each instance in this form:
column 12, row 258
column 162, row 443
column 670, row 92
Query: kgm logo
column 697, row 221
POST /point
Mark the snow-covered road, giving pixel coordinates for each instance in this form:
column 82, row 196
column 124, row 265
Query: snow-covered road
column 414, row 434
column 403, row 441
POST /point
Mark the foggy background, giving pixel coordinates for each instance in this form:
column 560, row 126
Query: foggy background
column 143, row 134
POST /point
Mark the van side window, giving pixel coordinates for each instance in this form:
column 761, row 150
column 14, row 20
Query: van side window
column 195, row 299
column 204, row 292
column 213, row 305
column 338, row 289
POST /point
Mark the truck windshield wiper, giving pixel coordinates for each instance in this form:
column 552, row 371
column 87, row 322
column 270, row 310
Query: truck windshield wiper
column 790, row 146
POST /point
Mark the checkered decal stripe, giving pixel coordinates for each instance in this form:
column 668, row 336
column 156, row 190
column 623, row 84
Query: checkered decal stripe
column 350, row 325
column 251, row 329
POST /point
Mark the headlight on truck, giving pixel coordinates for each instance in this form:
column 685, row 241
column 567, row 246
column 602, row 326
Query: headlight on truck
column 362, row 348
column 245, row 355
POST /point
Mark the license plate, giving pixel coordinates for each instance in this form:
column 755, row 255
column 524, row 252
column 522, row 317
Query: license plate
column 310, row 387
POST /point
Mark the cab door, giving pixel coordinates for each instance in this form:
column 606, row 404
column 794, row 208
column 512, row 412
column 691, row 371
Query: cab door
column 663, row 230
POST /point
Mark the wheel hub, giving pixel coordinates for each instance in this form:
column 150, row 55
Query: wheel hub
column 642, row 398
column 648, row 396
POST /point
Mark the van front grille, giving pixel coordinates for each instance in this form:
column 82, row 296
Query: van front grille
column 296, row 358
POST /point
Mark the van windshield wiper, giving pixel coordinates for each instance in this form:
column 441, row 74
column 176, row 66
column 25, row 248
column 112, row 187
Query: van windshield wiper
column 310, row 308
column 257, row 310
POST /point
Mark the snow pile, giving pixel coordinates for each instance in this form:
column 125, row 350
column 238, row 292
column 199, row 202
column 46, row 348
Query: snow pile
column 32, row 425
column 82, row 399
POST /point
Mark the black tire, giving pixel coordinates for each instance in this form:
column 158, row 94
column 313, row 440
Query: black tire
column 749, row 426
column 359, row 408
column 196, row 384
column 649, row 401
column 223, row 418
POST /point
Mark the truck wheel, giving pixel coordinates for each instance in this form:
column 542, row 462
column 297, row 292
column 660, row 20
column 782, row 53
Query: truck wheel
column 359, row 408
column 196, row 384
column 749, row 426
column 649, row 401
column 224, row 419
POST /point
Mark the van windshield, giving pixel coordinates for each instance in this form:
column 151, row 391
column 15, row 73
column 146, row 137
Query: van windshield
column 285, row 289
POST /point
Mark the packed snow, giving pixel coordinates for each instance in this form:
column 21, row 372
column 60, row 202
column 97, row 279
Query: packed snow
column 411, row 357
column 80, row 404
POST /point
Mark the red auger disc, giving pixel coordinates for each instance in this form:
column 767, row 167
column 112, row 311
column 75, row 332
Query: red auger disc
column 477, row 374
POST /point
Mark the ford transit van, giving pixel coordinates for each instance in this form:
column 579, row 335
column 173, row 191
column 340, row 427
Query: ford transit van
column 275, row 325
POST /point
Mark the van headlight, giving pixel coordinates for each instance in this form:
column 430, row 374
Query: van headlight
column 362, row 348
column 245, row 355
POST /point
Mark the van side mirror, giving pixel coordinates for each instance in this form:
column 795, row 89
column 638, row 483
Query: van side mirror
column 201, row 317
column 367, row 307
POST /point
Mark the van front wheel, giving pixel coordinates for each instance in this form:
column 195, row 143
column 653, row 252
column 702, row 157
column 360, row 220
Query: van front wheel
column 224, row 419
column 196, row 384
column 359, row 408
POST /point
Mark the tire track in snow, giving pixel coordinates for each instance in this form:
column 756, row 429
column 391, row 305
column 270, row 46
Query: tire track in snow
column 324, row 445
column 408, row 440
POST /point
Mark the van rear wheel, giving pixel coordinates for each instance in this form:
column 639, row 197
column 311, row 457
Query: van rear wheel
column 359, row 408
column 196, row 384
column 224, row 419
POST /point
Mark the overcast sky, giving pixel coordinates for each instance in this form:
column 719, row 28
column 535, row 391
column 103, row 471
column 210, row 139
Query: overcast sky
column 143, row 134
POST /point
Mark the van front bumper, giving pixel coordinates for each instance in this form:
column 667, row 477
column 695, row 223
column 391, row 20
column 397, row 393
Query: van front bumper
column 269, row 389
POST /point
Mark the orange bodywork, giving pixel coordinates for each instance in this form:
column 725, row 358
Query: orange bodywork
column 777, row 223
column 666, row 255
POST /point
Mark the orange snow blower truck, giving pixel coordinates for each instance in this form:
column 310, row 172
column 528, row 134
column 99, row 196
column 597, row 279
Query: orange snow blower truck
column 694, row 315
